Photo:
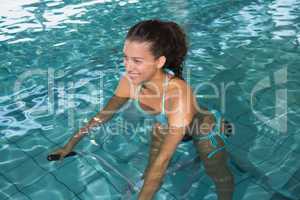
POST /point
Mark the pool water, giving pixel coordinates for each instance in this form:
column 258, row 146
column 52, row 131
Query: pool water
column 60, row 62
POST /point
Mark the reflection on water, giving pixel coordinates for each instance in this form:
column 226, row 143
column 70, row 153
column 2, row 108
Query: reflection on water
column 18, row 16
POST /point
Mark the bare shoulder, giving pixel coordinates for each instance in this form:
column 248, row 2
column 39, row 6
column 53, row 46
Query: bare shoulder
column 179, row 88
column 124, row 88
column 179, row 93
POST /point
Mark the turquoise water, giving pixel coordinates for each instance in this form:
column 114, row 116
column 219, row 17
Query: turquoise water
column 60, row 62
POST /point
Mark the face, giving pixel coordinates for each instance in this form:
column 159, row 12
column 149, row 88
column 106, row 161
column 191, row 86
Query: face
column 141, row 65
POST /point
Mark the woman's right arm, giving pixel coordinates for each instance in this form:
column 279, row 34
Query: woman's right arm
column 101, row 117
column 121, row 96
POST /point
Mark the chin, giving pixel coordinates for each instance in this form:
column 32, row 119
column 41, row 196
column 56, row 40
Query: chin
column 135, row 81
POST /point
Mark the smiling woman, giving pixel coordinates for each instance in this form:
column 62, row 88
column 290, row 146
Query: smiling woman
column 139, row 62
column 154, row 52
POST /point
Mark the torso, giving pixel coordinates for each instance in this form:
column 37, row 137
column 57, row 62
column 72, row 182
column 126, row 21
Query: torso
column 152, row 103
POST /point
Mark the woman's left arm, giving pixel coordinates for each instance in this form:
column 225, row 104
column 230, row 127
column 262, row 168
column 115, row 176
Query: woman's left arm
column 178, row 121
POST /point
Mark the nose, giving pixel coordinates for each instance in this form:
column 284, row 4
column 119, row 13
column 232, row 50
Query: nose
column 129, row 66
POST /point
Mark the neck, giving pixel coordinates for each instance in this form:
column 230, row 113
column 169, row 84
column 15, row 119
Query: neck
column 155, row 84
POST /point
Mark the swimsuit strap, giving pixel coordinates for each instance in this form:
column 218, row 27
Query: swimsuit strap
column 211, row 135
column 165, row 84
column 138, row 91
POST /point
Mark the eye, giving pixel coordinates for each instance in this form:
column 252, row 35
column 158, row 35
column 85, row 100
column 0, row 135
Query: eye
column 137, row 61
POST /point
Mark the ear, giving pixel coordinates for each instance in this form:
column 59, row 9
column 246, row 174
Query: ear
column 161, row 61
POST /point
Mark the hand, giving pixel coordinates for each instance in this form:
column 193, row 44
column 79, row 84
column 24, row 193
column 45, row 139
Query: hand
column 62, row 152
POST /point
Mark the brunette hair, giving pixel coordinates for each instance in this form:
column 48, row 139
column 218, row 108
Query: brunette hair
column 166, row 38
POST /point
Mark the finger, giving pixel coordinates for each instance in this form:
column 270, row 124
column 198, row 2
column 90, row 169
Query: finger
column 52, row 157
column 62, row 156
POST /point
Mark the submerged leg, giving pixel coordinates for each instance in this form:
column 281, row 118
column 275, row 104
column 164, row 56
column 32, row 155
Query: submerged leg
column 216, row 167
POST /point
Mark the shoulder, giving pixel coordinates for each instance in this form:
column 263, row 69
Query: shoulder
column 180, row 102
column 178, row 89
column 124, row 88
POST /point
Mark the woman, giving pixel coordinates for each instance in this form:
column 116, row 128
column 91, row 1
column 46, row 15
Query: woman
column 154, row 52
